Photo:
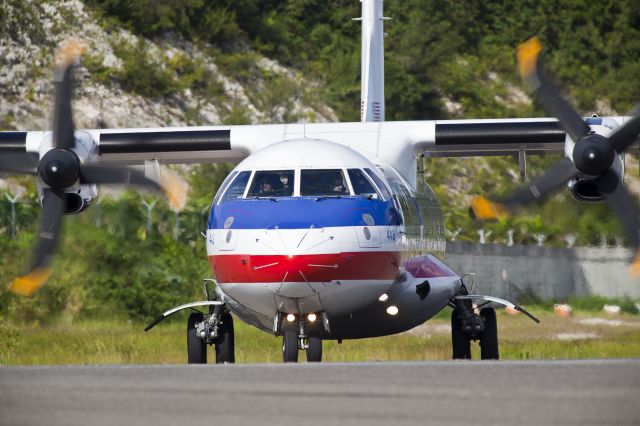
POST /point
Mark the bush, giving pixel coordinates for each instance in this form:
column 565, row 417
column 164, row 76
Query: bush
column 141, row 74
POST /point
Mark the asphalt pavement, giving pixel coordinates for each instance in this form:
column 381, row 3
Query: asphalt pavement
column 598, row 392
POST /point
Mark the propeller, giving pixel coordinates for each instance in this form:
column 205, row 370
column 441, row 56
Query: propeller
column 592, row 158
column 60, row 168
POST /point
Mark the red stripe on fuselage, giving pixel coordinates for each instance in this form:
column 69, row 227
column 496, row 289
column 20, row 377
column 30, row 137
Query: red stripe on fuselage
column 375, row 265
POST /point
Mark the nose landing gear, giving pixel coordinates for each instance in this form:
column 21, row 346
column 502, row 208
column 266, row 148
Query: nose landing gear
column 292, row 343
column 297, row 338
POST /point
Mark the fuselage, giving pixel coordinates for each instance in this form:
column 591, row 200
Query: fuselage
column 310, row 226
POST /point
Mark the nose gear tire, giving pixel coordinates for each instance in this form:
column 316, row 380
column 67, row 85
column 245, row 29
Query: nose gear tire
column 314, row 348
column 290, row 346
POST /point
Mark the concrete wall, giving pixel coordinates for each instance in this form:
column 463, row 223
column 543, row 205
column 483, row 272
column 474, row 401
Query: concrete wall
column 550, row 273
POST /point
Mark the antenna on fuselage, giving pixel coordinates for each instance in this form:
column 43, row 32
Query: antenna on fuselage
column 372, row 61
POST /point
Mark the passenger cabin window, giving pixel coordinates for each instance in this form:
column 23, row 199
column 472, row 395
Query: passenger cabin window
column 272, row 183
column 237, row 187
column 361, row 184
column 323, row 182
column 383, row 188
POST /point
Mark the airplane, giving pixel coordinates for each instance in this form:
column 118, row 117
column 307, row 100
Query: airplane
column 325, row 231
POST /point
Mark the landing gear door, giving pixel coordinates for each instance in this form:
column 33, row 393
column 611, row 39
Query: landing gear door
column 368, row 236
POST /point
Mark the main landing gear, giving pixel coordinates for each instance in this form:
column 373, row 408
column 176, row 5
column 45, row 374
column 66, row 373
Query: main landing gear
column 467, row 326
column 214, row 328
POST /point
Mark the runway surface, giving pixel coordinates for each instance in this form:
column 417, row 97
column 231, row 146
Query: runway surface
column 603, row 392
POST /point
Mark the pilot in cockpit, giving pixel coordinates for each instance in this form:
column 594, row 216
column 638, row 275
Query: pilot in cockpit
column 284, row 180
column 265, row 187
column 338, row 185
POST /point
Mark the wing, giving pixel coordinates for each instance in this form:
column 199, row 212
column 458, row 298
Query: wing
column 392, row 140
column 470, row 138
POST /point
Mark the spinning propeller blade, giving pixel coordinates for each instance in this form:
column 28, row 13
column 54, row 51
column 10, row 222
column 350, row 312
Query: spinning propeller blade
column 60, row 168
column 53, row 205
column 170, row 184
column 624, row 207
column 19, row 163
column 63, row 127
column 533, row 74
column 592, row 158
column 535, row 191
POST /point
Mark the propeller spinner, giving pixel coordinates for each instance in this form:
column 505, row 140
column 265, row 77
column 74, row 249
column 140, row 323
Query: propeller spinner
column 592, row 157
column 60, row 168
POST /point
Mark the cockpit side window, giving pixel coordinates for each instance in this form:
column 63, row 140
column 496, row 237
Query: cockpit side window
column 383, row 188
column 237, row 187
column 272, row 183
column 224, row 186
column 323, row 182
column 361, row 184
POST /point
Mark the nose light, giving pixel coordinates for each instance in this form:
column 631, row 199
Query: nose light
column 392, row 310
column 312, row 317
column 291, row 317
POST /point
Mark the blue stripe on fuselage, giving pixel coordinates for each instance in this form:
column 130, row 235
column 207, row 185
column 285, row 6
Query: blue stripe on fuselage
column 302, row 212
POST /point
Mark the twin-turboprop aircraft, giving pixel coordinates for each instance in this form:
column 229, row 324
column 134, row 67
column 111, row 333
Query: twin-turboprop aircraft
column 325, row 231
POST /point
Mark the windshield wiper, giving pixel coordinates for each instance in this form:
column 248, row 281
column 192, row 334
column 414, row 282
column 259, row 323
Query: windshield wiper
column 326, row 197
column 266, row 198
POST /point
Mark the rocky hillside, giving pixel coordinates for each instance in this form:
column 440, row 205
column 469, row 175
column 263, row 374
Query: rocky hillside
column 152, row 69
column 129, row 81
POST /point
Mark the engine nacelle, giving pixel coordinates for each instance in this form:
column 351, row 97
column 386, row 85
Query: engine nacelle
column 584, row 189
column 79, row 197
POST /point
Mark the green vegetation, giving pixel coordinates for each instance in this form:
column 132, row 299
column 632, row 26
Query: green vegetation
column 434, row 48
column 455, row 181
column 141, row 73
column 443, row 59
column 109, row 263
column 119, row 341
column 22, row 19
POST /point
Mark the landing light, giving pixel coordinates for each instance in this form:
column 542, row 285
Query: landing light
column 383, row 297
column 392, row 310
column 312, row 317
column 291, row 317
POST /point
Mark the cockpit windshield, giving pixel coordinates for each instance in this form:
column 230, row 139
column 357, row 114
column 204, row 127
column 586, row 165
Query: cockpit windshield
column 383, row 188
column 237, row 187
column 323, row 182
column 272, row 183
column 361, row 184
